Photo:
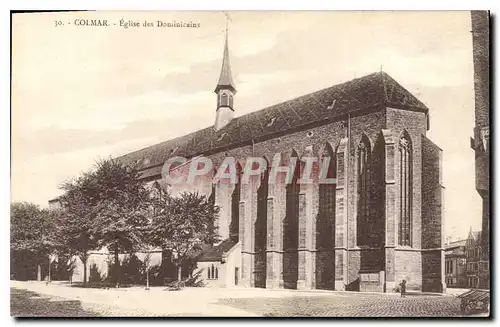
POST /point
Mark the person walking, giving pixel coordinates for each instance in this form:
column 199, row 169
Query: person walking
column 403, row 288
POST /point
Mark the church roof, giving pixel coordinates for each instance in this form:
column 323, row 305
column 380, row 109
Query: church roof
column 226, row 78
column 374, row 90
column 216, row 253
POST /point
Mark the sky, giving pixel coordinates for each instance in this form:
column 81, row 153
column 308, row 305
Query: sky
column 83, row 93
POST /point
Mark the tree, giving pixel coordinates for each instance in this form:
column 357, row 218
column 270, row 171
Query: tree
column 76, row 218
column 32, row 234
column 182, row 224
column 121, row 211
column 147, row 267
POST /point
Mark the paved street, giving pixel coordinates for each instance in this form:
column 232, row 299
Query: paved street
column 239, row 302
column 358, row 305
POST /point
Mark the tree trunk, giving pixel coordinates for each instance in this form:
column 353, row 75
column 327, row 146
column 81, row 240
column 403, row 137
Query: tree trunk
column 39, row 273
column 147, row 278
column 179, row 272
column 84, row 272
column 117, row 268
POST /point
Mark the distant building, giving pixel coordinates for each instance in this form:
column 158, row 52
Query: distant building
column 455, row 264
column 55, row 204
column 476, row 267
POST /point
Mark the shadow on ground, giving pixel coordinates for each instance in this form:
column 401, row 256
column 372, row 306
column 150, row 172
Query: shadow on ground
column 24, row 304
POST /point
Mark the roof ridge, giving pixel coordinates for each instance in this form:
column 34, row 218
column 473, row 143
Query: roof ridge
column 350, row 96
column 250, row 113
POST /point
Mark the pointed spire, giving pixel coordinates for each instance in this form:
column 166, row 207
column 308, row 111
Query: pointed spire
column 226, row 78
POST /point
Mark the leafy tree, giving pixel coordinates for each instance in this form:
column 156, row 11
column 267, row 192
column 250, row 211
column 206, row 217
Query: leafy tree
column 121, row 211
column 182, row 224
column 77, row 216
column 32, row 233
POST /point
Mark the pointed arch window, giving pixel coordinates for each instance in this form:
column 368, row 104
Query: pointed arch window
column 213, row 272
column 325, row 223
column 405, row 193
column 363, row 190
column 234, row 225
column 261, row 230
column 291, row 222
column 211, row 198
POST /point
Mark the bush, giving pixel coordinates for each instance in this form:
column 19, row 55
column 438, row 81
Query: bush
column 132, row 271
column 195, row 280
column 63, row 268
column 156, row 276
column 94, row 274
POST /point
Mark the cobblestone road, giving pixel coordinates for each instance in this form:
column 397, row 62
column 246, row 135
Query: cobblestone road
column 352, row 305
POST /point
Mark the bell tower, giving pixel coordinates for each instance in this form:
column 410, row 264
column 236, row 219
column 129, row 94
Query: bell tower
column 225, row 90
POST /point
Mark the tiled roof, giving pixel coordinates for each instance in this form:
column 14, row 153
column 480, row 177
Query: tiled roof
column 216, row 252
column 377, row 89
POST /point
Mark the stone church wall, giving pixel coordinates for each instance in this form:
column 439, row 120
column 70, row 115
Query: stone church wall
column 432, row 218
column 404, row 263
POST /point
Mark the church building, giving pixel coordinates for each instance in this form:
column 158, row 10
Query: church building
column 379, row 224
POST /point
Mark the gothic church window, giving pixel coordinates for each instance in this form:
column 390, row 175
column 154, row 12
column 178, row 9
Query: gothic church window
column 405, row 193
column 213, row 272
column 325, row 225
column 363, row 191
column 234, row 225
column 326, row 212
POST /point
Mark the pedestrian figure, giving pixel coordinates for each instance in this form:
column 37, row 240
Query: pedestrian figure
column 403, row 288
